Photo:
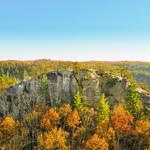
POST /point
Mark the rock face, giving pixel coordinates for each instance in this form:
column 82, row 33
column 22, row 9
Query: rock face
column 62, row 87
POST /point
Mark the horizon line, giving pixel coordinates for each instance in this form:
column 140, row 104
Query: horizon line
column 48, row 59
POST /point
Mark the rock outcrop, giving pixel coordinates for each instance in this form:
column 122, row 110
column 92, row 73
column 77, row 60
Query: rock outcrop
column 62, row 86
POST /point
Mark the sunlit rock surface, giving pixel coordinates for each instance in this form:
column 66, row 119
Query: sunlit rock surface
column 18, row 100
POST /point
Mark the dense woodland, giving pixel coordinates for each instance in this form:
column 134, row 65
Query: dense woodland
column 82, row 125
column 13, row 72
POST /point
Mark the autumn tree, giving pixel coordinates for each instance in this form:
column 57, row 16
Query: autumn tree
column 142, row 134
column 79, row 136
column 122, row 122
column 73, row 119
column 7, row 128
column 54, row 139
column 104, row 130
column 96, row 143
column 88, row 117
column 65, row 110
column 50, row 119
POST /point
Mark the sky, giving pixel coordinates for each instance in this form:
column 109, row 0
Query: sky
column 75, row 29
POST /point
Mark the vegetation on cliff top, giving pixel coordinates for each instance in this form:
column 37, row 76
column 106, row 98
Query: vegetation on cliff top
column 13, row 72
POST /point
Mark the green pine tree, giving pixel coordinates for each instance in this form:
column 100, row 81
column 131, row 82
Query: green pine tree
column 103, row 109
column 78, row 104
column 134, row 104
column 44, row 88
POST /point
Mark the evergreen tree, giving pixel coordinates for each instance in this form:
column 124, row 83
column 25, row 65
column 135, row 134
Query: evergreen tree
column 103, row 109
column 43, row 88
column 134, row 104
column 78, row 104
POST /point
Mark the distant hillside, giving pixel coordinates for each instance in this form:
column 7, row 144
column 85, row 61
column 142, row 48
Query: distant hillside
column 12, row 72
column 140, row 70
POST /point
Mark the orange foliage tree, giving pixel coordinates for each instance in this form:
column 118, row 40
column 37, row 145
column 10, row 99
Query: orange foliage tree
column 121, row 120
column 73, row 119
column 50, row 119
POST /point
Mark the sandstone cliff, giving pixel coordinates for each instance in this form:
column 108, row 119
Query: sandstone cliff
column 62, row 86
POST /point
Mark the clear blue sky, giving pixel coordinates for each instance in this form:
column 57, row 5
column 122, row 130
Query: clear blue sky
column 75, row 29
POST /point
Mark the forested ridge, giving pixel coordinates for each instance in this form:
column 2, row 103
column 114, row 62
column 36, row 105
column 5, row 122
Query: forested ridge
column 80, row 123
column 140, row 70
column 13, row 72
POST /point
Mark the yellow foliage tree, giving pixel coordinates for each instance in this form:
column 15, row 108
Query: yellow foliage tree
column 54, row 139
column 73, row 121
column 103, row 130
column 64, row 110
column 7, row 127
column 87, row 117
column 143, row 127
column 33, row 115
column 142, row 131
column 96, row 143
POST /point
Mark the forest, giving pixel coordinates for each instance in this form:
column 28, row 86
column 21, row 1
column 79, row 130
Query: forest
column 82, row 124
column 13, row 72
